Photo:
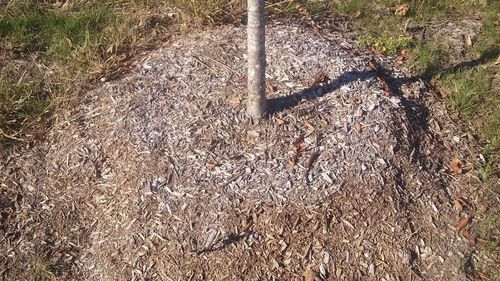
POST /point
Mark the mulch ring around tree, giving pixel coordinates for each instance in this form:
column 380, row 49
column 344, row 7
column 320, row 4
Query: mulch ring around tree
column 159, row 175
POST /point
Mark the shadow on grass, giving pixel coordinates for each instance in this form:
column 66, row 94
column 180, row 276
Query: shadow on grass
column 485, row 57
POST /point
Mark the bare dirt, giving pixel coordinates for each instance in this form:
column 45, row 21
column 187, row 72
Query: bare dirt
column 160, row 175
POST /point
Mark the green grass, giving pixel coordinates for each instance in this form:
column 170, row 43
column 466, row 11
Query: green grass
column 69, row 48
column 470, row 90
column 55, row 34
column 428, row 59
column 387, row 45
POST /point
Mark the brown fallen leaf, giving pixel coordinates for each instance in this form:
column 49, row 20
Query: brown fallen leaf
column 401, row 10
column 465, row 233
column 299, row 146
column 358, row 127
column 234, row 101
column 483, row 241
column 357, row 14
column 309, row 126
column 279, row 121
column 380, row 262
column 299, row 140
column 309, row 274
column 360, row 112
column 462, row 223
column 210, row 165
column 300, row 149
column 461, row 167
column 458, row 206
column 70, row 44
column 321, row 78
column 271, row 88
column 469, row 166
column 311, row 158
column 482, row 209
column 461, row 203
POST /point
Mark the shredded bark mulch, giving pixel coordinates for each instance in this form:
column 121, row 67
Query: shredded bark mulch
column 160, row 175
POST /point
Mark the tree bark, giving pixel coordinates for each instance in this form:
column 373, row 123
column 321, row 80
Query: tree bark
column 256, row 105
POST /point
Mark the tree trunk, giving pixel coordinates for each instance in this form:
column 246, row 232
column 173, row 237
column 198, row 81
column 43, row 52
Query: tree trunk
column 256, row 105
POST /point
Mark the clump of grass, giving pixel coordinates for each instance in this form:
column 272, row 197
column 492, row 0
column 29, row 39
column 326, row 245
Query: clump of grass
column 388, row 45
column 44, row 270
column 212, row 11
column 353, row 8
column 428, row 59
column 469, row 90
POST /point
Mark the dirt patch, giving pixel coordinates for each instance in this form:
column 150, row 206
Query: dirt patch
column 160, row 175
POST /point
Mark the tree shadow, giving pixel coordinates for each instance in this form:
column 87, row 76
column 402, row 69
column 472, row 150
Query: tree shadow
column 280, row 104
column 485, row 57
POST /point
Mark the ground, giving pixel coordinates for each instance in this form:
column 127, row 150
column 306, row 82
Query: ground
column 159, row 175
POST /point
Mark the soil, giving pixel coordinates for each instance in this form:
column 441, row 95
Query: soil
column 159, row 175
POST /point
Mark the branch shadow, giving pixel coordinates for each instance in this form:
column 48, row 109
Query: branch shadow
column 280, row 104
column 232, row 238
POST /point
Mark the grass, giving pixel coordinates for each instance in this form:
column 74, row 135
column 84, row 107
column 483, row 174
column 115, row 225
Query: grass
column 470, row 91
column 55, row 34
column 388, row 45
column 48, row 52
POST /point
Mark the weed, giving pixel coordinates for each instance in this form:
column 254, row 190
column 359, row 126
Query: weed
column 44, row 270
column 387, row 45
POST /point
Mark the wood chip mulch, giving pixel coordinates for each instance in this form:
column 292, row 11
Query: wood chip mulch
column 160, row 175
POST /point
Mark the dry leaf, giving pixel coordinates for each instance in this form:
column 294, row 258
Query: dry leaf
column 321, row 78
column 373, row 65
column 460, row 203
column 465, row 233
column 461, row 224
column 461, row 167
column 298, row 141
column 271, row 88
column 483, row 241
column 210, row 165
column 309, row 275
column 401, row 10
column 458, row 206
column 279, row 121
column 357, row 14
column 380, row 262
column 358, row 127
column 234, row 101
column 300, row 149
column 360, row 112
column 482, row 209
column 309, row 126
column 310, row 159
column 70, row 43
column 469, row 166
